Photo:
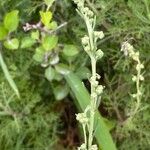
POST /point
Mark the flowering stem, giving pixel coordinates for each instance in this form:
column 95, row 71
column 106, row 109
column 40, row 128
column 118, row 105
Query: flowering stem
column 93, row 102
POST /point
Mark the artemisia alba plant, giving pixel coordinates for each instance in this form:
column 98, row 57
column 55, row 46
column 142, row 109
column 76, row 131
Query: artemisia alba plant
column 128, row 50
column 89, row 42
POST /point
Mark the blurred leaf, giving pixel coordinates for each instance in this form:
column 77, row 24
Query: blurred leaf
column 110, row 123
column 50, row 73
column 3, row 32
column 70, row 50
column 35, row 35
column 53, row 25
column 61, row 92
column 39, row 54
column 83, row 73
column 11, row 20
column 62, row 69
column 49, row 2
column 46, row 17
column 27, row 42
column 49, row 42
column 12, row 44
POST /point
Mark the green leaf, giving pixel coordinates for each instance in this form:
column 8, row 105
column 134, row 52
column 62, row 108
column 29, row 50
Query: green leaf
column 50, row 73
column 39, row 54
column 53, row 25
column 61, row 92
column 83, row 73
column 49, row 42
column 102, row 134
column 3, row 32
column 49, row 2
column 27, row 42
column 35, row 35
column 8, row 76
column 11, row 20
column 46, row 17
column 12, row 44
column 70, row 50
column 62, row 69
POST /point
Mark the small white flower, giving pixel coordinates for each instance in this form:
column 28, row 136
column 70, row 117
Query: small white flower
column 99, row 89
column 139, row 66
column 134, row 78
column 94, row 147
column 99, row 54
column 82, row 118
column 141, row 78
column 82, row 147
column 134, row 95
column 99, row 34
column 85, row 40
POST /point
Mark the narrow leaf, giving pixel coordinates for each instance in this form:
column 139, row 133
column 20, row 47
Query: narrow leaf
column 8, row 76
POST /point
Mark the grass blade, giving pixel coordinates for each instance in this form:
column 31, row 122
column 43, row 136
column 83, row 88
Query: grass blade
column 8, row 76
column 102, row 134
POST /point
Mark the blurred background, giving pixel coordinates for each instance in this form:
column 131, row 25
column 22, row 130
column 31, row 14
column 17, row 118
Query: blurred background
column 44, row 117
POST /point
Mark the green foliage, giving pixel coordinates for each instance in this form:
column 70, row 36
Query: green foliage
column 3, row 32
column 12, row 44
column 70, row 50
column 121, row 20
column 11, row 20
column 46, row 17
column 49, row 42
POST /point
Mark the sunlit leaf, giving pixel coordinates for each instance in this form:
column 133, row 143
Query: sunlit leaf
column 46, row 17
column 11, row 20
column 49, row 42
column 12, row 44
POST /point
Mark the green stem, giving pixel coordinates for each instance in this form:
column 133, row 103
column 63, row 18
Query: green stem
column 93, row 102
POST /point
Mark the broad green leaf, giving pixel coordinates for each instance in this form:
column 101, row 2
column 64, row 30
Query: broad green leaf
column 83, row 73
column 70, row 50
column 27, row 42
column 61, row 92
column 102, row 134
column 11, row 20
column 39, row 54
column 3, row 32
column 49, row 42
column 8, row 76
column 62, row 69
column 46, row 17
column 49, row 2
column 50, row 73
column 53, row 25
column 35, row 35
column 12, row 44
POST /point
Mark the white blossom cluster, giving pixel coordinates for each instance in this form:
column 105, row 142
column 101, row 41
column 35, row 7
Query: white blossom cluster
column 128, row 50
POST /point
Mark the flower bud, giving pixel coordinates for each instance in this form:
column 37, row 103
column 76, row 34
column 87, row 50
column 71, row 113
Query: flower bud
column 85, row 40
column 99, row 54
column 99, row 34
column 99, row 89
column 94, row 147
column 134, row 78
column 82, row 118
column 141, row 78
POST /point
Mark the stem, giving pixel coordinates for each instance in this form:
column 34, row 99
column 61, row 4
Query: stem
column 93, row 103
column 85, row 136
column 138, row 91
